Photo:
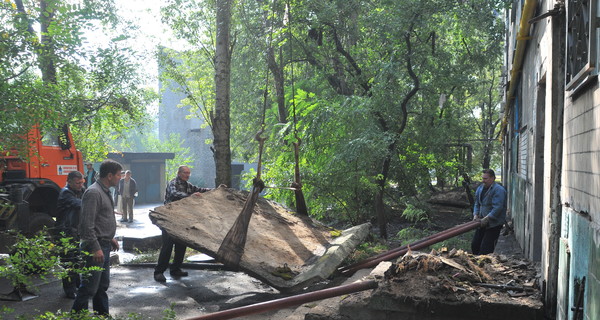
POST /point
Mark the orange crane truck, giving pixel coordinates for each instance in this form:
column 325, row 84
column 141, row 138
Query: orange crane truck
column 29, row 186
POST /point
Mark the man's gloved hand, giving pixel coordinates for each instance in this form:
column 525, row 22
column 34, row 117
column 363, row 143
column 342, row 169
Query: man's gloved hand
column 483, row 223
column 475, row 218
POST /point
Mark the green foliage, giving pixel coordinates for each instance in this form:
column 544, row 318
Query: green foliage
column 348, row 68
column 366, row 250
column 59, row 77
column 169, row 314
column 414, row 214
column 40, row 256
column 410, row 235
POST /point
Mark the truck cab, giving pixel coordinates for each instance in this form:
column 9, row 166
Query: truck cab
column 29, row 186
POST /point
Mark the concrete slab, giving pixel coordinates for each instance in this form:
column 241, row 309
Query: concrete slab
column 282, row 249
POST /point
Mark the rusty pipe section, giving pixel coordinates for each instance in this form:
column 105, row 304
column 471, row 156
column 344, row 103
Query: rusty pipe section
column 398, row 249
column 289, row 301
column 419, row 244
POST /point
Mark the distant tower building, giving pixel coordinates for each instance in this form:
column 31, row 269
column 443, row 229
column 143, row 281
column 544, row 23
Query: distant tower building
column 172, row 119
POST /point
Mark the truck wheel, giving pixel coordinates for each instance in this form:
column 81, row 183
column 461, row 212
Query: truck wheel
column 39, row 221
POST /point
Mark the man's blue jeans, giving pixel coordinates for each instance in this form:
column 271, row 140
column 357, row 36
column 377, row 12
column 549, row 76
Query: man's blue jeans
column 95, row 284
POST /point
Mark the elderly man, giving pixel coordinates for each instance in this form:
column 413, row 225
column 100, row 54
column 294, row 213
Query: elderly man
column 490, row 211
column 177, row 189
column 127, row 189
column 97, row 228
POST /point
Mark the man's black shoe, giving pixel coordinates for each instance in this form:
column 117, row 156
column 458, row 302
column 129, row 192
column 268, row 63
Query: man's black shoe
column 160, row 277
column 178, row 273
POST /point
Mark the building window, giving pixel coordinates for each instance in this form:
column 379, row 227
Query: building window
column 581, row 41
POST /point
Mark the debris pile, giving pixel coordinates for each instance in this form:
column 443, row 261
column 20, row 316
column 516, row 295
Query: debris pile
column 450, row 285
column 457, row 275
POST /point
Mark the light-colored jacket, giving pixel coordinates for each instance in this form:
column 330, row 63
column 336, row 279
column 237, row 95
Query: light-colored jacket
column 492, row 204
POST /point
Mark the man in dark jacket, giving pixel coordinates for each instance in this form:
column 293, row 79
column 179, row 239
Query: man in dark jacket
column 67, row 220
column 127, row 189
column 177, row 189
column 490, row 211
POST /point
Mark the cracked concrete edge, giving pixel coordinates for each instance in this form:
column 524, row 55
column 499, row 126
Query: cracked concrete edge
column 340, row 248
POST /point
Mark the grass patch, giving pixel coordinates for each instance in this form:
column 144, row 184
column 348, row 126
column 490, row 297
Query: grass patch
column 366, row 250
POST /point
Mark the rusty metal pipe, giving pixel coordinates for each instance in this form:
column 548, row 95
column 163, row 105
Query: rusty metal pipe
column 404, row 247
column 289, row 301
column 441, row 236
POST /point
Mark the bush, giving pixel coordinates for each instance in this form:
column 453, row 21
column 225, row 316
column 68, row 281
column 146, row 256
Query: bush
column 40, row 256
column 414, row 214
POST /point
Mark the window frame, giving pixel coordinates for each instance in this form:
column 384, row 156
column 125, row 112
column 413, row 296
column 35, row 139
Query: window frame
column 576, row 78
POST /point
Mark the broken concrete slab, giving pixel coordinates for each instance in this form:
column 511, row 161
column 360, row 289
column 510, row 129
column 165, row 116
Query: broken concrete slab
column 285, row 250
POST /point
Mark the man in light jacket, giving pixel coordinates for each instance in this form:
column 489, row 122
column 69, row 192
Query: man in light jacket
column 490, row 211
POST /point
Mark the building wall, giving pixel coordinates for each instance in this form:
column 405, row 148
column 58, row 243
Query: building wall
column 526, row 136
column 562, row 178
column 581, row 200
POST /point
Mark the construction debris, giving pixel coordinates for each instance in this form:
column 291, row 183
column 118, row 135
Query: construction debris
column 452, row 285
column 478, row 276
column 286, row 250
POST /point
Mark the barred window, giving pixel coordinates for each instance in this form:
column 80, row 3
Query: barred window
column 581, row 41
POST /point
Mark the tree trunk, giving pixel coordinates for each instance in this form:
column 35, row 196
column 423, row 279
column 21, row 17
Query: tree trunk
column 46, row 58
column 221, row 120
column 277, row 71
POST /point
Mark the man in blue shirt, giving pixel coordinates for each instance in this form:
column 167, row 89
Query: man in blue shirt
column 490, row 211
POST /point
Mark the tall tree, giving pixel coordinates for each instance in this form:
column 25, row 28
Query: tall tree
column 202, row 70
column 220, row 118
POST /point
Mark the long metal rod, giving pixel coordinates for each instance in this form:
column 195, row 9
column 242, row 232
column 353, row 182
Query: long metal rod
column 404, row 247
column 441, row 236
column 289, row 301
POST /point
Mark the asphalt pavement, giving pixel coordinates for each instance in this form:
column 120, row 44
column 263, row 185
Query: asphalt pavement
column 133, row 289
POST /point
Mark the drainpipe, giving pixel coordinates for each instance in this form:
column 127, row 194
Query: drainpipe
column 519, row 54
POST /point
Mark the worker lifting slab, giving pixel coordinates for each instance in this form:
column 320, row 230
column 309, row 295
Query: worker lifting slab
column 286, row 250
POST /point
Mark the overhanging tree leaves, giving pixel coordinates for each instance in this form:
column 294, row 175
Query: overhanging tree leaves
column 52, row 76
column 382, row 90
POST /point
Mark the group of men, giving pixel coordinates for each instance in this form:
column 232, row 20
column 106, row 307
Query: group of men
column 86, row 215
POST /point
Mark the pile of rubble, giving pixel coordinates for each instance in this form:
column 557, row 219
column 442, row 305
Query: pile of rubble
column 451, row 284
column 455, row 273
